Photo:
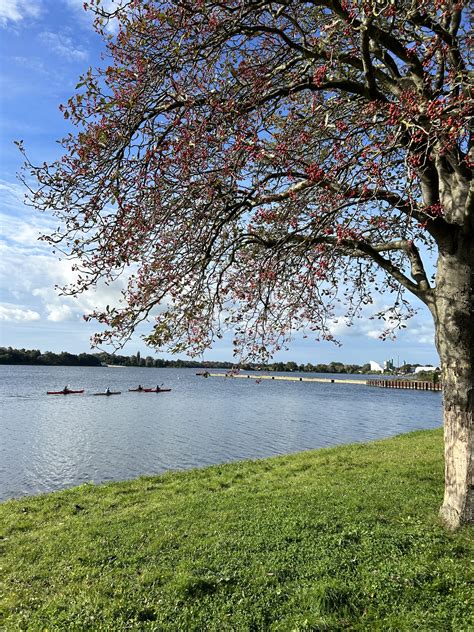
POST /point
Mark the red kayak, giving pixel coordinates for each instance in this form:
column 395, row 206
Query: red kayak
column 157, row 390
column 68, row 392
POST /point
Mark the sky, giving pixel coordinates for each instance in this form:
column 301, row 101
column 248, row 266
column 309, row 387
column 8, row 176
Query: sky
column 45, row 45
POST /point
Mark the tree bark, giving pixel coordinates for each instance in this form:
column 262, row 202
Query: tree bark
column 453, row 311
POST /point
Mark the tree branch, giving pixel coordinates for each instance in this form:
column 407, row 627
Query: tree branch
column 367, row 62
column 357, row 248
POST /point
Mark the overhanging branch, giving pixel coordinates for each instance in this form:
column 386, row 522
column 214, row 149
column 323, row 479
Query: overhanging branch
column 357, row 248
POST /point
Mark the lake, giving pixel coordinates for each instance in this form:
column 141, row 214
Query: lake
column 52, row 442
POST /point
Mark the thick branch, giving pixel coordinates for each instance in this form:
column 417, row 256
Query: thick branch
column 359, row 247
column 378, row 35
column 368, row 68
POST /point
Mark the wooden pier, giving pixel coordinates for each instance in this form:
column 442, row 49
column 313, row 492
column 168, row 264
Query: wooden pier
column 414, row 385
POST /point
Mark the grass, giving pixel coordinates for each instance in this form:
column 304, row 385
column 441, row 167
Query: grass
column 338, row 539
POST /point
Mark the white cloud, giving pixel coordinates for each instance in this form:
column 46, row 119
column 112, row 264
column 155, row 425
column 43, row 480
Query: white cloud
column 19, row 314
column 20, row 237
column 35, row 279
column 21, row 224
column 29, row 271
column 21, row 232
column 58, row 308
column 422, row 333
column 11, row 192
column 18, row 10
column 419, row 328
column 374, row 334
column 63, row 45
column 59, row 313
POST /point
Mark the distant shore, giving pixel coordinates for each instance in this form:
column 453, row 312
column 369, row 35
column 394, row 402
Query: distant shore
column 8, row 355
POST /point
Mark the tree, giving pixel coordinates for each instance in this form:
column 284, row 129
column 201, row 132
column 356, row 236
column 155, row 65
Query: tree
column 261, row 164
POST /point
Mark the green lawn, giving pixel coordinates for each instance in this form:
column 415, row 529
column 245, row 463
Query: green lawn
column 339, row 539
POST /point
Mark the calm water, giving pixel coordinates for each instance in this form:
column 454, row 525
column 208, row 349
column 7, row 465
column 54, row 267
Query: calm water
column 52, row 442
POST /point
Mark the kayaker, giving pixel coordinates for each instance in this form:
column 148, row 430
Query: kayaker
column 140, row 387
column 107, row 392
column 66, row 389
column 158, row 389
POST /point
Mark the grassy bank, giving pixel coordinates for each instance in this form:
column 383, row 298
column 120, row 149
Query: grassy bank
column 345, row 538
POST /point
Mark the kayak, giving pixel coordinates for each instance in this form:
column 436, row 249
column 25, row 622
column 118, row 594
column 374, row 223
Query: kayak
column 136, row 390
column 107, row 394
column 157, row 390
column 68, row 392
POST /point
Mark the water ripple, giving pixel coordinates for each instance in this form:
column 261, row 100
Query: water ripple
column 49, row 443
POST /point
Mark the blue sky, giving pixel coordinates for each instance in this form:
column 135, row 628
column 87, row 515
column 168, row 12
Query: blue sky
column 44, row 47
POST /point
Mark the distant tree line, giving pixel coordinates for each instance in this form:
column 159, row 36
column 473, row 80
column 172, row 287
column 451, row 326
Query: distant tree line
column 137, row 360
column 332, row 367
column 34, row 356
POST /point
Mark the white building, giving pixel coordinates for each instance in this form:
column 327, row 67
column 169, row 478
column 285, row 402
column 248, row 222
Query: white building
column 426, row 369
column 375, row 366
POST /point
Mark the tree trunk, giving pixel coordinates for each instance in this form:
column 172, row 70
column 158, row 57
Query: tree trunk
column 453, row 312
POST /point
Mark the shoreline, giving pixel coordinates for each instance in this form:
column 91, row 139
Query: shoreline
column 286, row 378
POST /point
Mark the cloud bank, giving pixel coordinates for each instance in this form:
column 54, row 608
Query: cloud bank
column 17, row 314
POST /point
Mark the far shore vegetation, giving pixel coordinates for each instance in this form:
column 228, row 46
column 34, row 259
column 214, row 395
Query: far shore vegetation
column 345, row 538
column 9, row 355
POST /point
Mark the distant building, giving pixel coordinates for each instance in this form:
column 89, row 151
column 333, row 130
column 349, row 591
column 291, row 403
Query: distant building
column 388, row 365
column 375, row 366
column 425, row 369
